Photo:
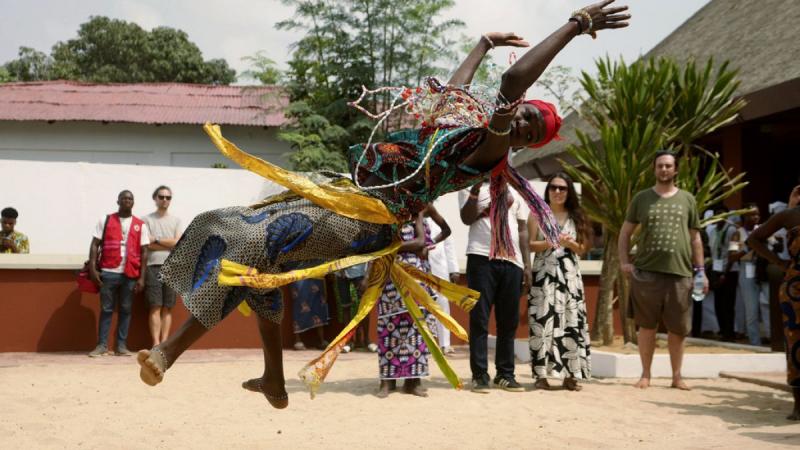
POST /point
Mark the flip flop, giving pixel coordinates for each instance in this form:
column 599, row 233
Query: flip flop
column 152, row 364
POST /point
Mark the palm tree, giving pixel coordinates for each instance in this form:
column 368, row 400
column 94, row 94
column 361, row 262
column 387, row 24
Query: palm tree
column 636, row 110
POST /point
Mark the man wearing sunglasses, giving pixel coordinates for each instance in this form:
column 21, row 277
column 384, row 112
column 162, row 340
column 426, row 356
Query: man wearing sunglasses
column 164, row 234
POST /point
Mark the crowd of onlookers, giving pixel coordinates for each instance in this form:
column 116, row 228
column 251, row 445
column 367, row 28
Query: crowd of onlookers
column 737, row 307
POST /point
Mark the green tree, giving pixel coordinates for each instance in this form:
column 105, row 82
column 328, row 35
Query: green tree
column 353, row 43
column 111, row 50
column 316, row 143
column 262, row 69
column 31, row 65
column 5, row 77
column 636, row 110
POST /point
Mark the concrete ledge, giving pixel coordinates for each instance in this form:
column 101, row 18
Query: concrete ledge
column 46, row 262
column 695, row 365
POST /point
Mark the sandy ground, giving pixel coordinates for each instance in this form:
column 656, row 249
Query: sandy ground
column 71, row 401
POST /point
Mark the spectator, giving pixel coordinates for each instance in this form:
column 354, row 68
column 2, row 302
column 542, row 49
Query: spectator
column 164, row 230
column 443, row 264
column 350, row 286
column 669, row 249
column 500, row 283
column 402, row 351
column 121, row 239
column 724, row 274
column 559, row 328
column 309, row 310
column 749, row 286
column 12, row 241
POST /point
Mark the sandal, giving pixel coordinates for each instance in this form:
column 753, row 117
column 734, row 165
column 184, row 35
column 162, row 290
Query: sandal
column 277, row 401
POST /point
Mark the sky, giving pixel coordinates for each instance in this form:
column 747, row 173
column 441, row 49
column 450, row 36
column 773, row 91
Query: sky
column 237, row 28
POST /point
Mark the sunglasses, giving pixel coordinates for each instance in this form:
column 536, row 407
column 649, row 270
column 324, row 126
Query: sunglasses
column 554, row 188
column 165, row 197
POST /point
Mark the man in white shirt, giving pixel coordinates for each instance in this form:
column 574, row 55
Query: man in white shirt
column 120, row 239
column 500, row 283
column 442, row 258
column 164, row 231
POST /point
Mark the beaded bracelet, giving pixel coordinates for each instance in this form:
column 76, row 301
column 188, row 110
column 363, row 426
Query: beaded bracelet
column 491, row 44
column 582, row 13
column 578, row 21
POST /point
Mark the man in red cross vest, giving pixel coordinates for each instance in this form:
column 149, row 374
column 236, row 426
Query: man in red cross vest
column 120, row 239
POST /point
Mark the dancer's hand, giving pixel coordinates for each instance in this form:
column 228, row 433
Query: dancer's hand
column 606, row 18
column 506, row 39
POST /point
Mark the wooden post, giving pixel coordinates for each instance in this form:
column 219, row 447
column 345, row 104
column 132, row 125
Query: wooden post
column 732, row 160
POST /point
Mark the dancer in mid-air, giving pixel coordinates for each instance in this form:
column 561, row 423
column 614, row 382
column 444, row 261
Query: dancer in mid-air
column 238, row 254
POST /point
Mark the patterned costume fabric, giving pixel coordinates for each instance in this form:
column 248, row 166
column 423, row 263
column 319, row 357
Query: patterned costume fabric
column 404, row 151
column 790, row 306
column 559, row 332
column 290, row 233
column 402, row 353
column 309, row 309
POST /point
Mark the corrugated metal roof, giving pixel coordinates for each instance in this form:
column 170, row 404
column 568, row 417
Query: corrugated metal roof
column 151, row 103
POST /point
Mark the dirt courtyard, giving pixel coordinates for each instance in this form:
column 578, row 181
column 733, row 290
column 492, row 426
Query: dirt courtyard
column 71, row 401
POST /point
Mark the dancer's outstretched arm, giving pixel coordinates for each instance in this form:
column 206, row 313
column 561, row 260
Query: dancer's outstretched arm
column 523, row 73
column 523, row 126
column 463, row 75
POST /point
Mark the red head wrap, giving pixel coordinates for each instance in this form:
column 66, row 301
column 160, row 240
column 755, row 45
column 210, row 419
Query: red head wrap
column 552, row 121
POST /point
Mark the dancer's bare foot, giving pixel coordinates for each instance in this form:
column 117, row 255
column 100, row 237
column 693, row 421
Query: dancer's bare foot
column 385, row 388
column 643, row 383
column 275, row 393
column 152, row 364
column 542, row 383
column 677, row 383
column 413, row 386
column 571, row 384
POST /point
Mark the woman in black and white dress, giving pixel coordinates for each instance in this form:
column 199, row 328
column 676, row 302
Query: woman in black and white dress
column 559, row 332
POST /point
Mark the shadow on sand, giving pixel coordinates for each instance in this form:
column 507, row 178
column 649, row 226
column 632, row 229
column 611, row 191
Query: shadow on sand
column 735, row 407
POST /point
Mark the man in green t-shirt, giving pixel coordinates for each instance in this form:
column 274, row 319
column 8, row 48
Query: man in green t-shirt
column 669, row 251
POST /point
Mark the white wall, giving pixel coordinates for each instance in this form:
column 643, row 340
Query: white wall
column 130, row 143
column 60, row 202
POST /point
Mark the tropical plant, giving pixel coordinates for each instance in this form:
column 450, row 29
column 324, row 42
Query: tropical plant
column 636, row 110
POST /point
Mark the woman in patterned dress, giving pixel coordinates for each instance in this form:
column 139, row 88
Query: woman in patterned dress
column 292, row 230
column 402, row 352
column 559, row 333
column 788, row 219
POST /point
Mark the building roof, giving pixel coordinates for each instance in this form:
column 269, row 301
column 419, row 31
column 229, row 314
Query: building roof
column 150, row 103
column 757, row 38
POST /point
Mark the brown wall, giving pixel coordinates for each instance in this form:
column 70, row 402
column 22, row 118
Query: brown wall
column 42, row 311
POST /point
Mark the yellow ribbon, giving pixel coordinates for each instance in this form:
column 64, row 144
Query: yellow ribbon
column 314, row 373
column 234, row 274
column 341, row 201
column 410, row 288
column 405, row 286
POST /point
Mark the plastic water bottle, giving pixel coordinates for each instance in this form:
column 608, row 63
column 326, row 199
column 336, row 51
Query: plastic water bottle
column 697, row 287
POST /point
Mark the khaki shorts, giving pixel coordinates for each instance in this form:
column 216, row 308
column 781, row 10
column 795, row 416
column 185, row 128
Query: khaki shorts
column 661, row 296
column 158, row 293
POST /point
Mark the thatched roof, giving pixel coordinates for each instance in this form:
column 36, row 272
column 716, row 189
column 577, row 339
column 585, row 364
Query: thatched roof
column 757, row 38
